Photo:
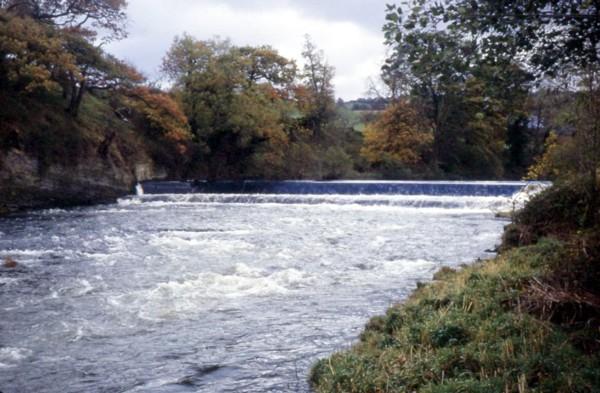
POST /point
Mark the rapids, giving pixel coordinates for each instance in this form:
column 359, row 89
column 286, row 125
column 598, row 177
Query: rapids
column 220, row 292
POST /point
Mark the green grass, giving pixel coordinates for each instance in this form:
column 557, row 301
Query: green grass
column 469, row 331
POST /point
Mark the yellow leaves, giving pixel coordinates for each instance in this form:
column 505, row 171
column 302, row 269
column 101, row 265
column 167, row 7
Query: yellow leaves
column 546, row 166
column 161, row 113
column 397, row 137
column 39, row 77
column 32, row 54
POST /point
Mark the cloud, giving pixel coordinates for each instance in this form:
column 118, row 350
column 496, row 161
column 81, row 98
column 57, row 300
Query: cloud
column 354, row 49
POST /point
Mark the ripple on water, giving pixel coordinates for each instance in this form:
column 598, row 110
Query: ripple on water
column 192, row 293
column 187, row 240
column 184, row 298
column 12, row 357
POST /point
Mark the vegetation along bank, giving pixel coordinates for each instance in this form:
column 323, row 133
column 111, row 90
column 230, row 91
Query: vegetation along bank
column 78, row 125
column 526, row 321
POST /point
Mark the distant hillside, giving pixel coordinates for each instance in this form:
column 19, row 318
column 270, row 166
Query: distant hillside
column 366, row 104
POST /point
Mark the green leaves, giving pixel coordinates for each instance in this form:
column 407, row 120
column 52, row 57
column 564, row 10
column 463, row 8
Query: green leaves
column 554, row 34
column 235, row 100
column 448, row 72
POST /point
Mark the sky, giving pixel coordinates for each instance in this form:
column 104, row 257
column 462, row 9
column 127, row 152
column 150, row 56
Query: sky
column 349, row 32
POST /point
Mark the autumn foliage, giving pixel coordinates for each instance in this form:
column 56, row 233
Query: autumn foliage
column 62, row 94
column 254, row 114
column 88, row 17
column 162, row 113
column 399, row 137
column 32, row 55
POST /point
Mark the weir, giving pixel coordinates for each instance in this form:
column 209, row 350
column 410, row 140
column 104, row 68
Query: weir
column 438, row 188
column 287, row 272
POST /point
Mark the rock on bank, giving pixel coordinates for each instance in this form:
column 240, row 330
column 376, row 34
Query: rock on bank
column 26, row 182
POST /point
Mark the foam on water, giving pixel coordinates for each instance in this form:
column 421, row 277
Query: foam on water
column 8, row 280
column 12, row 357
column 464, row 203
column 27, row 252
column 84, row 288
column 186, row 297
column 404, row 266
column 191, row 240
column 139, row 294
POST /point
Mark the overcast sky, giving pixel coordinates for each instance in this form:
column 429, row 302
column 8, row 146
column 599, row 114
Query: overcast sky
column 349, row 32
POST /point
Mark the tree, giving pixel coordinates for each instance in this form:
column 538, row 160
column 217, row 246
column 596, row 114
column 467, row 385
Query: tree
column 36, row 56
column 471, row 99
column 97, row 70
column 188, row 56
column 256, row 114
column 587, row 137
column 81, row 15
column 162, row 114
column 337, row 164
column 264, row 65
column 399, row 138
column 235, row 99
column 164, row 123
column 32, row 56
column 437, row 63
column 318, row 105
column 547, row 165
column 552, row 37
column 483, row 141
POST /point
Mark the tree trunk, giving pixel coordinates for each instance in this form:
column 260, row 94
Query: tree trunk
column 76, row 98
column 591, row 216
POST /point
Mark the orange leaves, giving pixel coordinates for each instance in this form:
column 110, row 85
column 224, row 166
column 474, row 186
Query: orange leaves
column 164, row 125
column 162, row 114
column 398, row 137
column 32, row 55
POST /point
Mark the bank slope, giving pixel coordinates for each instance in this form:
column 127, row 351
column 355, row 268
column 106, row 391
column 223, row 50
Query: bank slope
column 49, row 158
column 526, row 321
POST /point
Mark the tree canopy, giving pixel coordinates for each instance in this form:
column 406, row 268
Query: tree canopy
column 89, row 16
column 471, row 99
column 399, row 137
column 254, row 113
column 550, row 35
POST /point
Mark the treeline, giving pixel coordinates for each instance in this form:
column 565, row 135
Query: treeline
column 255, row 114
column 464, row 97
column 230, row 113
column 62, row 96
column 478, row 86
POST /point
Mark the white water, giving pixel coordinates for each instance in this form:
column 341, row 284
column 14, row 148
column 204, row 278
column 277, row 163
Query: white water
column 216, row 293
column 139, row 190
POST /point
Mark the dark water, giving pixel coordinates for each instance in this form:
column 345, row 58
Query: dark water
column 218, row 292
column 449, row 188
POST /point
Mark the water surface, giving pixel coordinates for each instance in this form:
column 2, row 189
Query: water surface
column 216, row 292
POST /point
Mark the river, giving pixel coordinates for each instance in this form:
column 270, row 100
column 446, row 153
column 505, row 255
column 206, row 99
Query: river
column 222, row 292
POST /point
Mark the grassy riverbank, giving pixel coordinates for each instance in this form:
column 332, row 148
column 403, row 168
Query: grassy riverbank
column 526, row 321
